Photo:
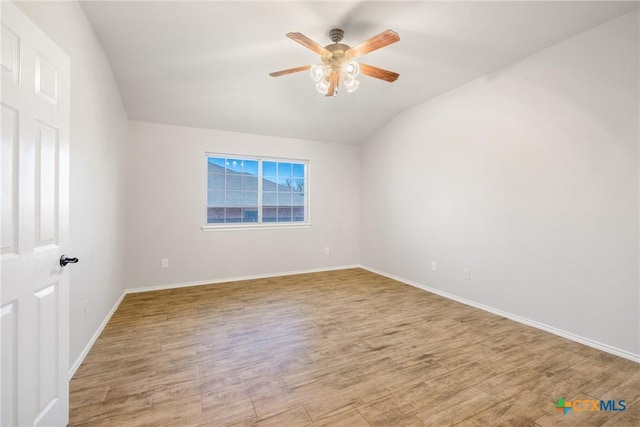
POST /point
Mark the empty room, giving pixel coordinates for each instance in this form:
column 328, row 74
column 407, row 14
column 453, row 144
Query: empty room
column 320, row 213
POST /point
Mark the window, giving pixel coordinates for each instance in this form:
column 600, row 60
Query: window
column 256, row 191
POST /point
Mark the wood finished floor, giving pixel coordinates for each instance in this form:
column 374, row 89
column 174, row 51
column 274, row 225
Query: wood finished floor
column 342, row 348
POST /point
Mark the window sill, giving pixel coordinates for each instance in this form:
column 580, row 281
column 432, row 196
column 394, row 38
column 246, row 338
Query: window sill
column 243, row 227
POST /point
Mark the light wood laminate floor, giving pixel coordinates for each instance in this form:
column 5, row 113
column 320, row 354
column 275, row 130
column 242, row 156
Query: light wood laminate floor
column 341, row 348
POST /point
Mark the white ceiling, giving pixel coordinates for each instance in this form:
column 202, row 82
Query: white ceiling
column 206, row 64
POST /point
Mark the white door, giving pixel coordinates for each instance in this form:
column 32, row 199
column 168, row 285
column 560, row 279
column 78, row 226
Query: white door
column 35, row 198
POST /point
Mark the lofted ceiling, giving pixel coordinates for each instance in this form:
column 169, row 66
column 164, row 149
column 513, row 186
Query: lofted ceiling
column 206, row 64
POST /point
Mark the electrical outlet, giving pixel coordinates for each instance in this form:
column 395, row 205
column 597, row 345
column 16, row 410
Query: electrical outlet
column 86, row 308
column 467, row 274
column 434, row 266
column 327, row 250
column 165, row 263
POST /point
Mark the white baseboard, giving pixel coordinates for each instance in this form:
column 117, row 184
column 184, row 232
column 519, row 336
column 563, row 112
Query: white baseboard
column 95, row 336
column 568, row 335
column 582, row 340
column 87, row 348
column 235, row 279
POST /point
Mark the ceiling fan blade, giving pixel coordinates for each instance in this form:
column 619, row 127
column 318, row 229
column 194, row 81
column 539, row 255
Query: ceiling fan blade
column 309, row 44
column 383, row 39
column 334, row 79
column 378, row 73
column 289, row 71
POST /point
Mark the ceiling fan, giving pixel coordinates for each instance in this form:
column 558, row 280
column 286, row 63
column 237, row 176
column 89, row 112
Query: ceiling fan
column 338, row 61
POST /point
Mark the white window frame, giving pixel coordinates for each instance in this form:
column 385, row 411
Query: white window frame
column 258, row 225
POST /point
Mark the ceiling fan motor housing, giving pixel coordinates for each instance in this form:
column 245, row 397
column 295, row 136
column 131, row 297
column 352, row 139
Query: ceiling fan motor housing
column 338, row 57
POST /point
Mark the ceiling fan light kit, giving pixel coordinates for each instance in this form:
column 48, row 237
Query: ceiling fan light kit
column 320, row 74
column 338, row 61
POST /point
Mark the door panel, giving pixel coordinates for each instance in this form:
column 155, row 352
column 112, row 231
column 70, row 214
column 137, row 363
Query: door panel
column 47, row 348
column 9, row 180
column 35, row 185
column 47, row 80
column 10, row 54
column 9, row 322
column 46, row 186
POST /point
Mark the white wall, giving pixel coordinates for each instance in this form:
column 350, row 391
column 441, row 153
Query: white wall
column 166, row 206
column 98, row 126
column 529, row 178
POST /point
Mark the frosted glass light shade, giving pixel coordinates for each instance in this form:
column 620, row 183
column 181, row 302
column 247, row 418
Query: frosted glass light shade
column 318, row 72
column 351, row 85
column 352, row 69
column 322, row 86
